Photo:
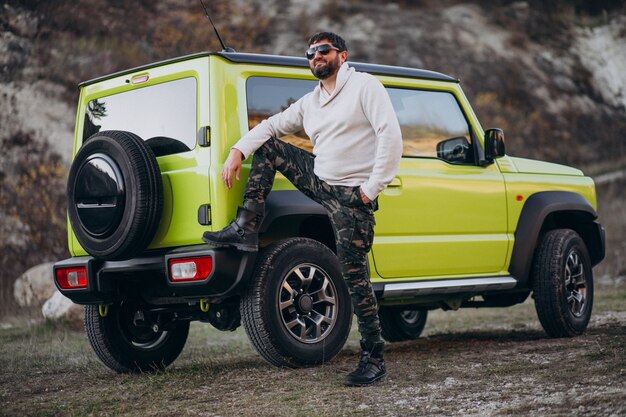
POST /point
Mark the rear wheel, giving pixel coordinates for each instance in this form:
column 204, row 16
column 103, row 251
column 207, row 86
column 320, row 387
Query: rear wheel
column 131, row 339
column 563, row 283
column 297, row 310
column 400, row 324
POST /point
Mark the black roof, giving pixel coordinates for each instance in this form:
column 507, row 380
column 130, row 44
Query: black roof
column 246, row 58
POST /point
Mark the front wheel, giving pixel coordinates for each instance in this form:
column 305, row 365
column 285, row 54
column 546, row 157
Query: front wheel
column 297, row 310
column 131, row 339
column 563, row 283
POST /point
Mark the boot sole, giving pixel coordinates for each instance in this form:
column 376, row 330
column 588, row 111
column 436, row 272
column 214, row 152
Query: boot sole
column 239, row 246
column 364, row 384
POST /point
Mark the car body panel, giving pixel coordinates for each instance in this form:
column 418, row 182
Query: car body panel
column 185, row 175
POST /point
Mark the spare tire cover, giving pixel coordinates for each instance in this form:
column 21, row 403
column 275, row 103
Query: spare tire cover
column 114, row 195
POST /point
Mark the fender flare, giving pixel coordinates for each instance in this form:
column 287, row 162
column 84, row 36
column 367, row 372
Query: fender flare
column 570, row 210
column 283, row 203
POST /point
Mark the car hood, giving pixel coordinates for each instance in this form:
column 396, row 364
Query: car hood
column 531, row 166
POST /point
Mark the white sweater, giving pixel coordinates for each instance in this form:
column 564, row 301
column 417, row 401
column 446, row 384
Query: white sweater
column 355, row 132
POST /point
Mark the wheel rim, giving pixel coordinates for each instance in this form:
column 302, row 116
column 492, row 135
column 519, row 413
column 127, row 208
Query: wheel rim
column 410, row 316
column 575, row 284
column 307, row 303
column 137, row 333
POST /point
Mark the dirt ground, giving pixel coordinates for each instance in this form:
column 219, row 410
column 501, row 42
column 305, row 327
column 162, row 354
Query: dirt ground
column 489, row 362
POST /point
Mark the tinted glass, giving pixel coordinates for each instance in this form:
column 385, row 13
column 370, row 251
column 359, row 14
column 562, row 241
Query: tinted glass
column 268, row 96
column 164, row 115
column 433, row 125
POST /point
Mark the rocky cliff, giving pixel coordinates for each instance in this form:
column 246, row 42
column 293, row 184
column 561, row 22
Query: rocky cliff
column 551, row 73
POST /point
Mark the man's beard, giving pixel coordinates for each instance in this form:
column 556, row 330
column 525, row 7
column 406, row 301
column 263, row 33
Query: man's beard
column 325, row 71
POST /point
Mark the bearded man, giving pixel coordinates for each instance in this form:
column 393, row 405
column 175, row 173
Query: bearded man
column 357, row 145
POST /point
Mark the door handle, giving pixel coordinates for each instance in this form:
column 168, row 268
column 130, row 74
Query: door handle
column 396, row 182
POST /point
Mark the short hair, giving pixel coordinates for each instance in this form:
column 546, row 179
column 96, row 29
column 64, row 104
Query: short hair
column 336, row 40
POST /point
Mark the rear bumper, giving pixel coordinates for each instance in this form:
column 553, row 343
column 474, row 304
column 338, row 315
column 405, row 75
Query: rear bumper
column 149, row 274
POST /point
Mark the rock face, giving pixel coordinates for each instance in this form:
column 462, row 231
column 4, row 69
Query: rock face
column 22, row 22
column 36, row 107
column 59, row 307
column 604, row 54
column 34, row 286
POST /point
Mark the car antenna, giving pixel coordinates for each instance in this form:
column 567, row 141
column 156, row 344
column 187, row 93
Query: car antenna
column 224, row 47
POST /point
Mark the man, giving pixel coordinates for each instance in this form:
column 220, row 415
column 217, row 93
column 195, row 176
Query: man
column 357, row 147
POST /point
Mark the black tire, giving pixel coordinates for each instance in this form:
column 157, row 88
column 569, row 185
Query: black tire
column 124, row 346
column 563, row 283
column 399, row 324
column 297, row 281
column 114, row 195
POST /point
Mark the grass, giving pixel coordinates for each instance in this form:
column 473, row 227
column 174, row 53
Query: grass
column 489, row 362
column 468, row 362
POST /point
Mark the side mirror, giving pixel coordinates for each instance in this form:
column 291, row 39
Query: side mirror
column 454, row 150
column 494, row 144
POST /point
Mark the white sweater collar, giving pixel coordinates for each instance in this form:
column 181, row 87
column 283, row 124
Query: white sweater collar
column 343, row 75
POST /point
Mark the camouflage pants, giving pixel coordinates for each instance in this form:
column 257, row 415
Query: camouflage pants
column 353, row 221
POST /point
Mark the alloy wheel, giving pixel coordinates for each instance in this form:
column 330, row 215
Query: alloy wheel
column 307, row 303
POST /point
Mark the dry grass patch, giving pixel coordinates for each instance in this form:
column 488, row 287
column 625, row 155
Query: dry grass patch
column 470, row 362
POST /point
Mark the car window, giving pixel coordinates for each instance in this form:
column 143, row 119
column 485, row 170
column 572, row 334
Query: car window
column 433, row 125
column 163, row 115
column 268, row 96
column 432, row 122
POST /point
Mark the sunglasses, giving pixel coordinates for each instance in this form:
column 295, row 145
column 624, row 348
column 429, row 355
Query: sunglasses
column 322, row 49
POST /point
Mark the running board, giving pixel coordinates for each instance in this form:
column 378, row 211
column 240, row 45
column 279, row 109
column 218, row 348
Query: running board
column 448, row 286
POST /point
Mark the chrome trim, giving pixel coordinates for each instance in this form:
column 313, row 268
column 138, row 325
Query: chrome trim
column 449, row 286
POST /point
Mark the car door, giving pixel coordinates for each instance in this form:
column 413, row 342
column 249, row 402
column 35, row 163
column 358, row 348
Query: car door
column 164, row 105
column 443, row 215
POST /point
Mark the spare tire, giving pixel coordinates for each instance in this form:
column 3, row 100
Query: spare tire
column 114, row 195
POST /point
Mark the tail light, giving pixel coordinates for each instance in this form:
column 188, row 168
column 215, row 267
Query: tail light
column 72, row 278
column 190, row 269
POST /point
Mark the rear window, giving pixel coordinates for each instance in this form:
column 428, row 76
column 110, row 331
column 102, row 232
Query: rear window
column 163, row 115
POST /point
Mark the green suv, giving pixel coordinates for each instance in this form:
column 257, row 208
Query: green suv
column 461, row 225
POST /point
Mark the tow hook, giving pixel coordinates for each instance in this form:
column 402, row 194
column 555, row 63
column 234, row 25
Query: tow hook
column 204, row 305
column 103, row 310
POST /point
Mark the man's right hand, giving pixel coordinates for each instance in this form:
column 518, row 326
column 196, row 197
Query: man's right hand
column 232, row 165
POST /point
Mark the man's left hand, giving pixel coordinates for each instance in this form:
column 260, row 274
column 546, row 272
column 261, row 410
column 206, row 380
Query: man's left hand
column 365, row 199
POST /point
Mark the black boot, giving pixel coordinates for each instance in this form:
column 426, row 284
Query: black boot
column 242, row 233
column 371, row 365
